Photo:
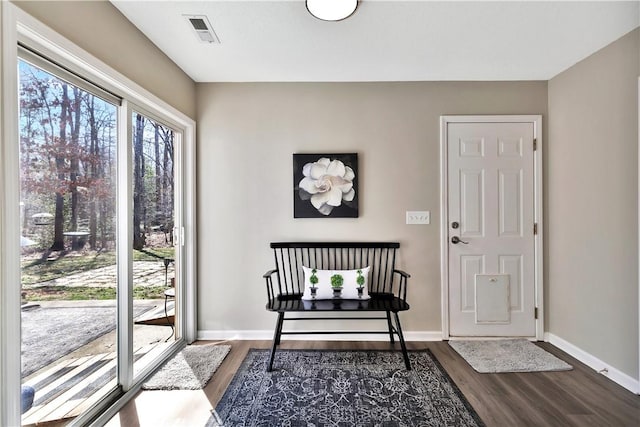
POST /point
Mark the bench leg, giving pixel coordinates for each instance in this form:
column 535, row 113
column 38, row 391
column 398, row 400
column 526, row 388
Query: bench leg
column 278, row 336
column 276, row 340
column 402, row 343
column 391, row 339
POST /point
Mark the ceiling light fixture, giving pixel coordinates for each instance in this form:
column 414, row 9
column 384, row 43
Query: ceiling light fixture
column 331, row 10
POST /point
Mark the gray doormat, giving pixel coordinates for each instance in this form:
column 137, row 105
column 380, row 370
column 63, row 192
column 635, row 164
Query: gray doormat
column 515, row 355
column 191, row 369
column 342, row 388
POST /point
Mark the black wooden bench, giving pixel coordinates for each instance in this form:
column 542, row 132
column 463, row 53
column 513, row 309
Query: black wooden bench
column 387, row 286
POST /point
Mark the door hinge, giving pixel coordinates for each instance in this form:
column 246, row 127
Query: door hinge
column 535, row 144
column 535, row 312
column 535, row 228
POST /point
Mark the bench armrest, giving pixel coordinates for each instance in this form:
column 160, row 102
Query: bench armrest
column 402, row 287
column 402, row 273
column 269, row 273
column 268, row 278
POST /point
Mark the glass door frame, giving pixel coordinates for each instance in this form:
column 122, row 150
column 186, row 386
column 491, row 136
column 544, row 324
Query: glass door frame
column 18, row 26
column 126, row 375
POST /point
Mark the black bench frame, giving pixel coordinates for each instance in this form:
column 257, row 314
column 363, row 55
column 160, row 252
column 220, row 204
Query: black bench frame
column 387, row 286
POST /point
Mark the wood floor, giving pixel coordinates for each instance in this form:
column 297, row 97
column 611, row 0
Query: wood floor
column 580, row 397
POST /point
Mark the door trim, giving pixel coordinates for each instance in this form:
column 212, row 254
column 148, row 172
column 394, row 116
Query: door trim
column 536, row 120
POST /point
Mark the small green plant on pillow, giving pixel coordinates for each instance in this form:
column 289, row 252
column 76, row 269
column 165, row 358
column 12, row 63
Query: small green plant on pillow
column 336, row 281
column 313, row 279
column 360, row 279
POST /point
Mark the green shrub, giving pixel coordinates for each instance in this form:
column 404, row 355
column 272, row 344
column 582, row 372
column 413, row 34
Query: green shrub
column 360, row 279
column 336, row 281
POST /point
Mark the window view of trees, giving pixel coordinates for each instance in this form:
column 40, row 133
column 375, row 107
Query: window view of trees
column 68, row 168
column 152, row 180
column 68, row 162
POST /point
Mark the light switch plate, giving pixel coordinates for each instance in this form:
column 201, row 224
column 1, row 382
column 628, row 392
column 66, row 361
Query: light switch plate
column 418, row 217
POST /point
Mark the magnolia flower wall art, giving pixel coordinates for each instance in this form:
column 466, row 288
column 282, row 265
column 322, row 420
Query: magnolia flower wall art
column 325, row 185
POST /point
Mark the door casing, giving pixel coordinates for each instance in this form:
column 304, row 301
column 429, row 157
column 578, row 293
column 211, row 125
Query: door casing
column 536, row 120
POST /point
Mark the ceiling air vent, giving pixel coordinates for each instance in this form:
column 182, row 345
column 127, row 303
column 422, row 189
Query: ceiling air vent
column 203, row 29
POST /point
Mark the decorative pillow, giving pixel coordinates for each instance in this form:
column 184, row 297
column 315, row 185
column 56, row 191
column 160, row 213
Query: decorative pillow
column 347, row 284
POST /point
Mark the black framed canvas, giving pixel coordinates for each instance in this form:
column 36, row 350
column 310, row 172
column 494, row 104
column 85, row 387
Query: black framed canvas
column 325, row 185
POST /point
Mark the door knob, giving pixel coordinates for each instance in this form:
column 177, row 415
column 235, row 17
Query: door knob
column 455, row 240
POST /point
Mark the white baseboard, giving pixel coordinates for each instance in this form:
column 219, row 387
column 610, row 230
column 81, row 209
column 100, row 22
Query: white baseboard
column 268, row 335
column 626, row 381
column 423, row 335
column 234, row 335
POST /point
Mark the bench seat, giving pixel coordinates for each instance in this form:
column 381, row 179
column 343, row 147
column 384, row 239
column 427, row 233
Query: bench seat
column 376, row 303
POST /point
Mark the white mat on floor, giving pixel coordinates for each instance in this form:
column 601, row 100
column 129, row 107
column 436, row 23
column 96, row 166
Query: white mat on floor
column 514, row 355
column 190, row 369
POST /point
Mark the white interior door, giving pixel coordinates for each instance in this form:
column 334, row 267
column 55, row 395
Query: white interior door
column 490, row 229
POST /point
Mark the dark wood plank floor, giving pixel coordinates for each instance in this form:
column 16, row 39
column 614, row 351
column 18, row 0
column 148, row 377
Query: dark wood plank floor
column 580, row 397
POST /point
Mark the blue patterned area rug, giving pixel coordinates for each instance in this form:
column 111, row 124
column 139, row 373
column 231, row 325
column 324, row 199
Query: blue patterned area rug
column 342, row 388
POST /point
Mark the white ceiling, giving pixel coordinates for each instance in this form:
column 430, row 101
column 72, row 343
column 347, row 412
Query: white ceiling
column 274, row 41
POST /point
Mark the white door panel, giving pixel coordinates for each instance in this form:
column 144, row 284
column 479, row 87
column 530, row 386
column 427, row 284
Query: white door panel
column 491, row 198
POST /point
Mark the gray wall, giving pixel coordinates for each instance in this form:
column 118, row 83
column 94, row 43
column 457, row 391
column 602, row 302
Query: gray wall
column 247, row 134
column 592, row 197
column 100, row 29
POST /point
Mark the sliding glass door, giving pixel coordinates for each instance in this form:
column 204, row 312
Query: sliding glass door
column 100, row 261
column 155, row 253
column 68, row 144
